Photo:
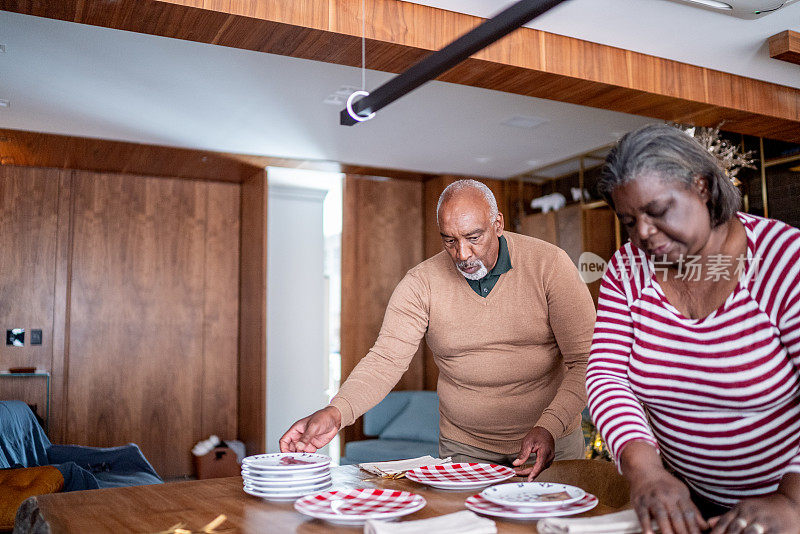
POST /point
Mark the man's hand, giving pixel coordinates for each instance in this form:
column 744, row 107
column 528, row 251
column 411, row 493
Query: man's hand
column 312, row 432
column 539, row 441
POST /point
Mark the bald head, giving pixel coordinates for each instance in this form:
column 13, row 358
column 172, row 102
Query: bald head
column 468, row 188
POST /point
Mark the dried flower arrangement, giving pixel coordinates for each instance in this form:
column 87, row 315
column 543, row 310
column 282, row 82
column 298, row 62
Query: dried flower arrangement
column 731, row 157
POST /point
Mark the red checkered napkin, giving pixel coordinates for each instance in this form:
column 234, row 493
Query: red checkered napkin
column 359, row 504
column 477, row 503
column 460, row 473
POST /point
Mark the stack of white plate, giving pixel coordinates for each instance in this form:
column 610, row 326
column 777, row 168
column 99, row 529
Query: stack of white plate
column 531, row 500
column 286, row 476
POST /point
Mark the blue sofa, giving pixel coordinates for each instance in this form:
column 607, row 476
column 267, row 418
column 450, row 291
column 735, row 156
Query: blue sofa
column 23, row 443
column 405, row 425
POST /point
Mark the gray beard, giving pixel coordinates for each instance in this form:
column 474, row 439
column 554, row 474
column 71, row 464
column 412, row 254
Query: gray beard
column 477, row 275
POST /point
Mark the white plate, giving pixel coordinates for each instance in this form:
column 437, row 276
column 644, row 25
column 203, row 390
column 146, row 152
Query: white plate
column 460, row 487
column 293, row 491
column 306, row 477
column 287, row 461
column 281, row 485
column 479, row 505
column 529, row 495
column 285, row 495
column 354, row 507
column 286, row 475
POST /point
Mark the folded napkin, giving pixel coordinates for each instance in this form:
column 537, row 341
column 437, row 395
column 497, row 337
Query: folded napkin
column 464, row 522
column 390, row 469
column 624, row 522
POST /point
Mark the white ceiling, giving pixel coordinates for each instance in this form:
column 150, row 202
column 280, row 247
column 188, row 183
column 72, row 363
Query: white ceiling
column 665, row 28
column 81, row 80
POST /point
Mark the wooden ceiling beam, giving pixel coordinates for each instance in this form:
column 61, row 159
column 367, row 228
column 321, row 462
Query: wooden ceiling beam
column 36, row 149
column 527, row 62
column 785, row 46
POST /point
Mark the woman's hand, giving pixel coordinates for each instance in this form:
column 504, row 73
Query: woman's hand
column 658, row 498
column 776, row 513
column 771, row 514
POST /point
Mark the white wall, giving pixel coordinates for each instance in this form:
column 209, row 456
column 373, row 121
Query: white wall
column 297, row 360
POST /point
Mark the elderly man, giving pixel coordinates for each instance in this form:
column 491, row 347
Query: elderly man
column 509, row 322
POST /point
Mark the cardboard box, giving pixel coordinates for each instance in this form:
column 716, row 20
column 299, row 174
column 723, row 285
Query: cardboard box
column 219, row 463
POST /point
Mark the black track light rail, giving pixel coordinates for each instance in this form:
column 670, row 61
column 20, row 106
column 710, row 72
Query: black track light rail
column 448, row 57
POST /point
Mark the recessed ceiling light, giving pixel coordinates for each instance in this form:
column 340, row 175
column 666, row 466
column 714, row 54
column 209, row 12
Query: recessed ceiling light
column 339, row 96
column 533, row 162
column 4, row 103
column 521, row 121
column 483, row 159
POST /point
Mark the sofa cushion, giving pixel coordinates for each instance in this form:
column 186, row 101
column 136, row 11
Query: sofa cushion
column 16, row 485
column 384, row 450
column 24, row 443
column 380, row 415
column 419, row 420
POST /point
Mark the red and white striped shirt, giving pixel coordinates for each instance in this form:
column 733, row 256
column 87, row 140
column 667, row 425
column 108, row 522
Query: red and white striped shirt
column 720, row 396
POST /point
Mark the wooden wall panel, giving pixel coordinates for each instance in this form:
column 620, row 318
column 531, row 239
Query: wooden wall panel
column 252, row 400
column 135, row 283
column 381, row 240
column 28, row 226
column 221, row 335
column 599, row 237
column 568, row 230
column 61, row 298
column 29, row 229
column 135, row 370
column 541, row 226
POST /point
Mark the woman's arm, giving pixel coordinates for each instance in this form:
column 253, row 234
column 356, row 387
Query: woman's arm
column 615, row 410
column 658, row 497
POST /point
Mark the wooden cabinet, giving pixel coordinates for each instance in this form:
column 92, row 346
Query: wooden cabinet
column 576, row 229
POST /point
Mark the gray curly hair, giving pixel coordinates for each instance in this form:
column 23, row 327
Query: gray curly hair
column 672, row 154
column 460, row 185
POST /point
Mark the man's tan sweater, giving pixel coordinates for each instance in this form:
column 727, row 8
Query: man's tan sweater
column 508, row 362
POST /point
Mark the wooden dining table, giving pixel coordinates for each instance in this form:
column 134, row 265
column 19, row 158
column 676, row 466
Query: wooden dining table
column 195, row 503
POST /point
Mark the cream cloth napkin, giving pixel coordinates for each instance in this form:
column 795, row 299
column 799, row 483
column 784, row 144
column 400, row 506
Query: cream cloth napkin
column 396, row 467
column 623, row 522
column 464, row 522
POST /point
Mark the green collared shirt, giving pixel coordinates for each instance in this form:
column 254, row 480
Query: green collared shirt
column 484, row 286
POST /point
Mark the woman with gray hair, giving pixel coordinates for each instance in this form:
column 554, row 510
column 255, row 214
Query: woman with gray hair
column 693, row 375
